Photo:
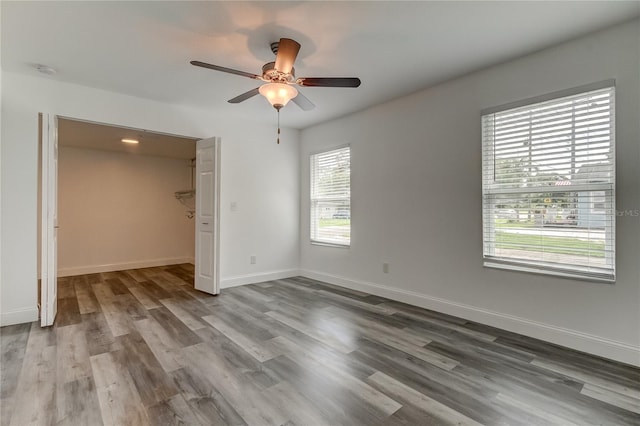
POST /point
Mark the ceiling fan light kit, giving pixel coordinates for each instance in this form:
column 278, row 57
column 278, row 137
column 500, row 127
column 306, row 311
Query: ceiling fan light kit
column 279, row 77
column 278, row 94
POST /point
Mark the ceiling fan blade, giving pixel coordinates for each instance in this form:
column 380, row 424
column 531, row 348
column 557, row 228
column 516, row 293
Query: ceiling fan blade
column 224, row 69
column 246, row 95
column 329, row 81
column 303, row 102
column 287, row 52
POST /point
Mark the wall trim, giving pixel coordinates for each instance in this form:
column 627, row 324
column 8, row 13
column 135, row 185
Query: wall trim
column 19, row 316
column 573, row 339
column 111, row 267
column 239, row 280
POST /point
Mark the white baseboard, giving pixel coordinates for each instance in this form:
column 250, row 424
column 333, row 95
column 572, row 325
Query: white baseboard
column 19, row 316
column 574, row 339
column 110, row 267
column 257, row 278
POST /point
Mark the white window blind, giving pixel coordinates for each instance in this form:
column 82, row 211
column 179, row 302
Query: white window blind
column 331, row 197
column 549, row 185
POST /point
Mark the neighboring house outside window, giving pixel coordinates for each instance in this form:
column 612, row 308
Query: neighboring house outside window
column 549, row 184
column 331, row 197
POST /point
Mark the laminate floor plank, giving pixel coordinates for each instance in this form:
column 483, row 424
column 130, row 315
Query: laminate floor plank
column 192, row 304
column 247, row 326
column 117, row 286
column 73, row 356
column 127, row 280
column 341, row 299
column 402, row 392
column 182, row 313
column 13, row 345
column 254, row 296
column 253, row 406
column 207, row 403
column 165, row 349
column 87, row 301
column 34, row 399
column 331, row 287
column 320, row 335
column 68, row 311
column 66, row 287
column 153, row 384
column 93, row 278
column 377, row 400
column 181, row 273
column 329, row 396
column 131, row 306
column 593, row 377
column 154, row 290
column 137, row 275
column 119, row 322
column 255, row 349
column 548, row 391
column 178, row 330
column 580, row 362
column 465, row 398
column 173, row 411
column 299, row 409
column 545, row 417
column 145, row 299
column 98, row 334
column 238, row 359
column 144, row 347
column 120, row 403
column 77, row 403
column 624, row 401
column 168, row 281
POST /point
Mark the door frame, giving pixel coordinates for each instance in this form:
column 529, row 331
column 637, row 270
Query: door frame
column 49, row 287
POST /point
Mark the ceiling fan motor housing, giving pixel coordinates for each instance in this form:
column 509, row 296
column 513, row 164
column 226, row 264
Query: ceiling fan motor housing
column 270, row 73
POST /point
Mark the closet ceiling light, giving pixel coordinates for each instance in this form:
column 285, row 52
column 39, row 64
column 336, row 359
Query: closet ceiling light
column 130, row 141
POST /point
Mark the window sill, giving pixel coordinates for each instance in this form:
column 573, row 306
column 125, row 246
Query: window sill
column 320, row 243
column 541, row 270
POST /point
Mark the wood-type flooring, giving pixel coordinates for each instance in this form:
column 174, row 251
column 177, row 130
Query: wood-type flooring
column 142, row 347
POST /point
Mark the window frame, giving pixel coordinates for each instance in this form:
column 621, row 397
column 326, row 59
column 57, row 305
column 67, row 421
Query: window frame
column 312, row 225
column 564, row 270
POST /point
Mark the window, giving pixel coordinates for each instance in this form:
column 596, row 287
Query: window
column 549, row 184
column 331, row 197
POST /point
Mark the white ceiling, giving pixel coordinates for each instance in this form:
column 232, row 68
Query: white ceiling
column 82, row 134
column 144, row 48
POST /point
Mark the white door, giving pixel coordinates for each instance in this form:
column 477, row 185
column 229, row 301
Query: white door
column 49, row 267
column 207, row 215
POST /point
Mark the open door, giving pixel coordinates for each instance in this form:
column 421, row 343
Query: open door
column 49, row 233
column 207, row 274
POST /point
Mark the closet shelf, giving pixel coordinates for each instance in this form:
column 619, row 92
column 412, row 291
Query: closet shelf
column 181, row 195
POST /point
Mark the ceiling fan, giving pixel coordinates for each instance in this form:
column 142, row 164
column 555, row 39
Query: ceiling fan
column 280, row 79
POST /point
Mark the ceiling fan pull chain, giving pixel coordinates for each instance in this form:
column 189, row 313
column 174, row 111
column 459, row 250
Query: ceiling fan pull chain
column 278, row 126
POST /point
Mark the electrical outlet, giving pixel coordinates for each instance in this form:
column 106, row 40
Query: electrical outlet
column 252, row 259
column 385, row 268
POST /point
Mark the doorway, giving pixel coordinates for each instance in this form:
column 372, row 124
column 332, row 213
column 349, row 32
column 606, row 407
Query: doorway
column 122, row 199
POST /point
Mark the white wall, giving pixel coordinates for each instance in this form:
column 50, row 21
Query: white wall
column 417, row 204
column 118, row 211
column 258, row 174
